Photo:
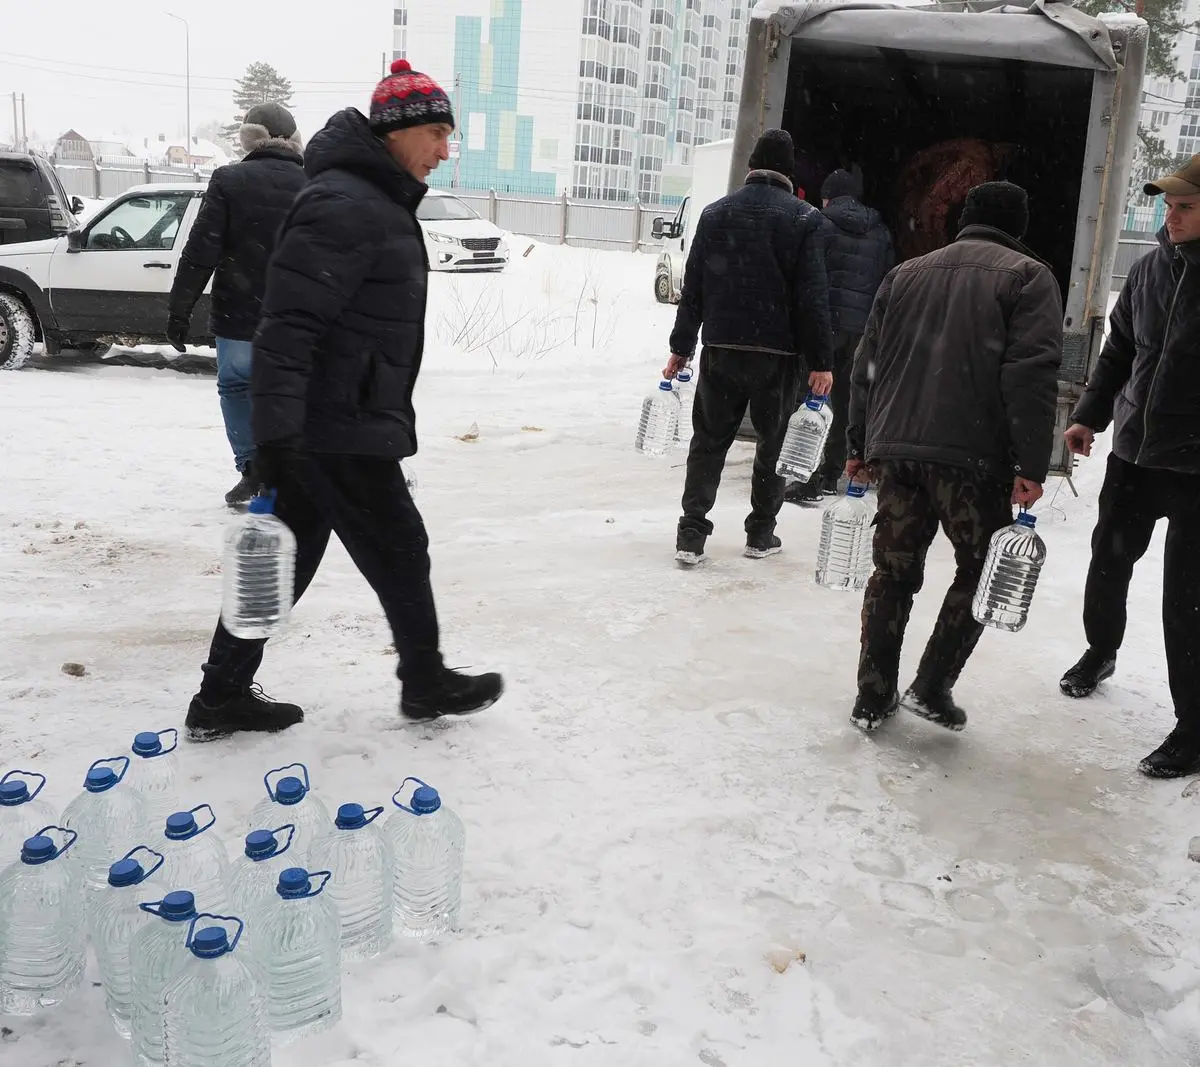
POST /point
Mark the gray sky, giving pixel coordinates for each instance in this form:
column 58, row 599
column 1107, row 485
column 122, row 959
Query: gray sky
column 123, row 72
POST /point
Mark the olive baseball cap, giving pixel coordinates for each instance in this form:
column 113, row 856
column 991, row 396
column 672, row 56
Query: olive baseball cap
column 1184, row 182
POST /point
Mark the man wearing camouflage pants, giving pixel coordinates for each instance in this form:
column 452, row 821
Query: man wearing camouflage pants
column 952, row 409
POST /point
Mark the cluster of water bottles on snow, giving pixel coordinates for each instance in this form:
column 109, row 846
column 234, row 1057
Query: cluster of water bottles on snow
column 1015, row 556
column 204, row 959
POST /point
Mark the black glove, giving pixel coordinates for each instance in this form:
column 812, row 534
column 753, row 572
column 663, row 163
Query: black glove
column 274, row 463
column 177, row 331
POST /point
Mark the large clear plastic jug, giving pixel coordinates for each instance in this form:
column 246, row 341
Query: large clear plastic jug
column 290, row 800
column 428, row 842
column 157, row 952
column 360, row 856
column 110, row 818
column 686, row 388
column 196, row 856
column 214, row 1011
column 844, row 554
column 152, row 772
column 259, row 572
column 1010, row 573
column 804, row 445
column 43, row 940
column 659, row 421
column 22, row 813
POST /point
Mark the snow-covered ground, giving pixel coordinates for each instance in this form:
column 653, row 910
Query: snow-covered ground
column 679, row 851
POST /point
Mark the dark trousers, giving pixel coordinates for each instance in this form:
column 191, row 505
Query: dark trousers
column 363, row 499
column 914, row 499
column 1132, row 501
column 845, row 344
column 730, row 381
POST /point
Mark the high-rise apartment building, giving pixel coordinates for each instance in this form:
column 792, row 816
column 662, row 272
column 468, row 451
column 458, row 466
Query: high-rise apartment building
column 590, row 97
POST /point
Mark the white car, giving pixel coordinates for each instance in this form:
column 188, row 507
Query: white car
column 456, row 238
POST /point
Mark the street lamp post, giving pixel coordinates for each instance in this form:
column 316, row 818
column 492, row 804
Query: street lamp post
column 187, row 67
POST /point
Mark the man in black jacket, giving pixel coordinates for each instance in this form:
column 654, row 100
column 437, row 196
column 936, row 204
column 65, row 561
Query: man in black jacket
column 755, row 278
column 952, row 407
column 858, row 255
column 336, row 359
column 233, row 238
column 1147, row 384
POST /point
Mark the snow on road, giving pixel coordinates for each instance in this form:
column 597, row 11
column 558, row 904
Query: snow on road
column 679, row 851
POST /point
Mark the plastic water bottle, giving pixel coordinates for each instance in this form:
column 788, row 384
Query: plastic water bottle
column 196, row 857
column 427, row 843
column 214, row 1011
column 109, row 817
column 152, row 772
column 686, row 390
column 115, row 920
column 290, row 800
column 260, row 572
column 410, row 478
column 1010, row 574
column 157, row 953
column 659, row 422
column 22, row 814
column 255, row 873
column 300, row 956
column 844, row 554
column 43, row 941
column 360, row 856
column 804, row 445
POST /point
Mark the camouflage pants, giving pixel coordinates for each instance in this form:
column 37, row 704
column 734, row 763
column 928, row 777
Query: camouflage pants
column 914, row 499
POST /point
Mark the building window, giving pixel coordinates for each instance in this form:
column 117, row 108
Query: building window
column 400, row 16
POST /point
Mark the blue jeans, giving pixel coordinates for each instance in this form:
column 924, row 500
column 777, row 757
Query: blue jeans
column 233, row 387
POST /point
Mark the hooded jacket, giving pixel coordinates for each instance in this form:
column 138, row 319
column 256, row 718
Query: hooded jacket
column 858, row 255
column 959, row 362
column 1147, row 379
column 339, row 346
column 234, row 235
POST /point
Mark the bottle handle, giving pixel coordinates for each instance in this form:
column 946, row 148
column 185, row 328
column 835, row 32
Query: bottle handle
column 371, row 814
column 291, row 829
column 324, row 876
column 27, row 774
column 62, row 830
column 145, row 873
column 174, row 741
column 280, row 770
column 212, row 818
column 395, row 795
column 241, row 926
column 123, row 760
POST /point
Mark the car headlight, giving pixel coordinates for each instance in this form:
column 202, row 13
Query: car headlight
column 441, row 238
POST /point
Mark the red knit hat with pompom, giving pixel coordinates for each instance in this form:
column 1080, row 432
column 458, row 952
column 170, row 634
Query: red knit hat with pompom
column 408, row 98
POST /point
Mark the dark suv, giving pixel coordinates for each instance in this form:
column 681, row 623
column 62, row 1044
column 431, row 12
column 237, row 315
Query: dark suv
column 33, row 203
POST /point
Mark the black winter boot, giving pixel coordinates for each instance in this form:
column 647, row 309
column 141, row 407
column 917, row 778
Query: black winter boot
column 1092, row 669
column 870, row 713
column 247, row 711
column 242, row 492
column 807, row 494
column 451, row 694
column 760, row 546
column 1177, row 757
column 935, row 704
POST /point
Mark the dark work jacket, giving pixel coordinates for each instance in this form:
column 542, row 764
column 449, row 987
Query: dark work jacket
column 1147, row 379
column 339, row 346
column 858, row 255
column 233, row 238
column 755, row 276
column 959, row 361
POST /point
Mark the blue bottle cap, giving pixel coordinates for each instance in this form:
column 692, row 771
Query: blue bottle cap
column 350, row 817
column 210, row 943
column 293, row 882
column 37, row 850
column 425, row 800
column 178, row 906
column 13, row 793
column 260, row 844
column 180, row 825
column 1025, row 519
column 261, row 505
column 147, row 743
column 856, row 490
column 665, row 386
column 684, row 375
column 125, row 872
column 813, row 403
column 290, row 790
column 99, row 779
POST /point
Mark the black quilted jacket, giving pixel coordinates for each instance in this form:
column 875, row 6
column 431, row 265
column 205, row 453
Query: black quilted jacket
column 857, row 258
column 339, row 347
column 755, row 276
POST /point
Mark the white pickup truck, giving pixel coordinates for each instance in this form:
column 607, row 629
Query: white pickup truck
column 105, row 283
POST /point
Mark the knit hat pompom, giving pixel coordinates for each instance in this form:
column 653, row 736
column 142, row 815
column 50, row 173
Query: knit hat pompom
column 1001, row 205
column 408, row 98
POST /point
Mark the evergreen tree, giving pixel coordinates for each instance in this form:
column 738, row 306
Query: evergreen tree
column 261, row 84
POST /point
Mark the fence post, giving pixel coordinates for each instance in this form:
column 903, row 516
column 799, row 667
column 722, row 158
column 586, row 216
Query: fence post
column 492, row 207
column 637, row 225
column 564, row 219
column 96, row 180
column 146, row 170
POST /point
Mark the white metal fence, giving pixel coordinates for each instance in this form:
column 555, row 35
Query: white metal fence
column 102, row 181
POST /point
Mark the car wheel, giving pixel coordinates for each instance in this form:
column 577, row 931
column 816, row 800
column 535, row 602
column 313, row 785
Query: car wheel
column 16, row 333
column 662, row 287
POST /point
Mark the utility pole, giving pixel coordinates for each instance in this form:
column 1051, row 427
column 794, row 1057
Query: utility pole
column 187, row 68
column 383, row 65
column 16, row 128
column 24, row 127
column 457, row 129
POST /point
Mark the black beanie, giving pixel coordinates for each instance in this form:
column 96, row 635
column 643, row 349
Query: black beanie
column 1001, row 205
column 841, row 183
column 774, row 151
